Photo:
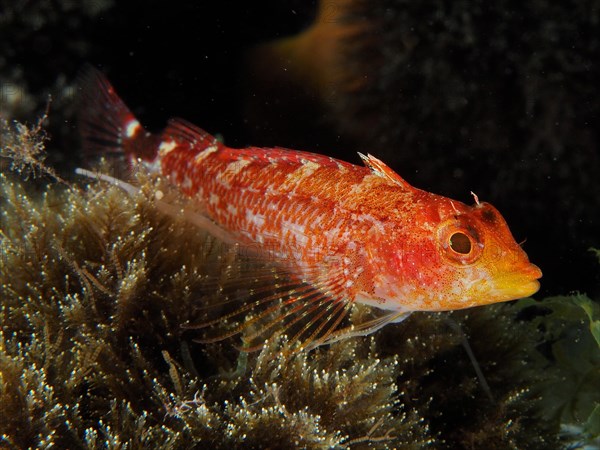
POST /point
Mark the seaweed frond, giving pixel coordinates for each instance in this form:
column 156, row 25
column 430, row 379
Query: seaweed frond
column 571, row 348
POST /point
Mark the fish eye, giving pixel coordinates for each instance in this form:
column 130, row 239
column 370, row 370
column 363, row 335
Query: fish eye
column 460, row 243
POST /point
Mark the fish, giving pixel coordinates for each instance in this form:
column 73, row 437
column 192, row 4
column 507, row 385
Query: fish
column 345, row 234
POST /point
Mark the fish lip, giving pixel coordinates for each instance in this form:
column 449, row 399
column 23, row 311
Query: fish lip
column 520, row 284
column 529, row 288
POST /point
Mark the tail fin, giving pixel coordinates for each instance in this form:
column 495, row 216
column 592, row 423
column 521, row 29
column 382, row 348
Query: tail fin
column 106, row 125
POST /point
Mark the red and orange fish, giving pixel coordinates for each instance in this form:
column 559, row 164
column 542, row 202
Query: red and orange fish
column 349, row 234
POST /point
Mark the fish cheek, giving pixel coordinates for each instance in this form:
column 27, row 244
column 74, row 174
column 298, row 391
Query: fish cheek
column 416, row 263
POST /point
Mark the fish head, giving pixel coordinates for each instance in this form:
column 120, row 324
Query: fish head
column 477, row 247
column 457, row 257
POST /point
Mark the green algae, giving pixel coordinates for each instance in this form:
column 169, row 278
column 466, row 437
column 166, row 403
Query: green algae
column 571, row 339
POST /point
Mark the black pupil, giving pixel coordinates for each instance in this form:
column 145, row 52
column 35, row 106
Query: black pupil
column 460, row 243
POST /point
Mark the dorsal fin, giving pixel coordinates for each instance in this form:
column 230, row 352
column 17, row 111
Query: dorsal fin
column 185, row 132
column 380, row 168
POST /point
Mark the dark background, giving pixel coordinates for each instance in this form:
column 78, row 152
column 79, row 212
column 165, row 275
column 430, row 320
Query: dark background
column 500, row 100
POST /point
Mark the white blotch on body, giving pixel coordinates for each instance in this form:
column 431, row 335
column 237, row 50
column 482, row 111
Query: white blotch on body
column 235, row 167
column 364, row 183
column 206, row 152
column 304, row 171
column 213, row 199
column 166, row 147
column 257, row 219
column 297, row 230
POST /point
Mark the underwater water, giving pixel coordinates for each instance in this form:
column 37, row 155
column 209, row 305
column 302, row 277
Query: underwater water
column 96, row 285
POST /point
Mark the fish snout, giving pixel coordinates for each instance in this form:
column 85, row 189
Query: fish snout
column 533, row 272
column 519, row 283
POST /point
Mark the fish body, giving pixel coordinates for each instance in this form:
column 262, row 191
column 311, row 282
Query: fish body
column 354, row 233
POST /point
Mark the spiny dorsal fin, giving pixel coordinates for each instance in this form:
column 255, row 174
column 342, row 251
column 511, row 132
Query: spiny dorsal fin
column 380, row 168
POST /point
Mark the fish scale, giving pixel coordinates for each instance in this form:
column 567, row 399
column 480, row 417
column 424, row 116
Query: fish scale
column 251, row 178
column 345, row 233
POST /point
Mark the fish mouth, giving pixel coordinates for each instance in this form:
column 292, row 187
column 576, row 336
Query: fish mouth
column 520, row 284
